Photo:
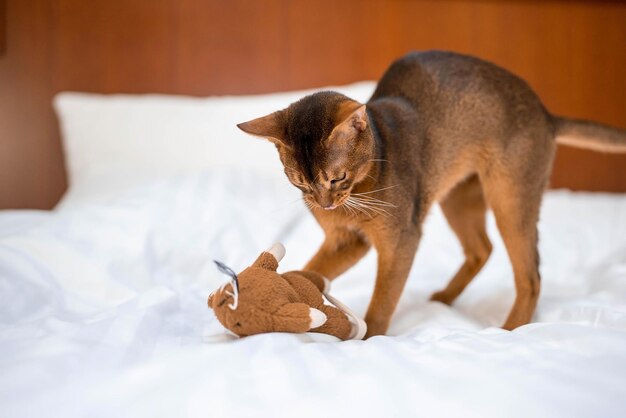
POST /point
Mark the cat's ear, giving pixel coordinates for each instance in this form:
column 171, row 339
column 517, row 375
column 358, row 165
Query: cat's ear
column 353, row 121
column 270, row 127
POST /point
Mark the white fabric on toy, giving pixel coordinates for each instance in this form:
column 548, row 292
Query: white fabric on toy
column 318, row 318
column 359, row 327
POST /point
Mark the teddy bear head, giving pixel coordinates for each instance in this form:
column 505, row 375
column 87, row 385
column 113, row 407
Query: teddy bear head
column 258, row 299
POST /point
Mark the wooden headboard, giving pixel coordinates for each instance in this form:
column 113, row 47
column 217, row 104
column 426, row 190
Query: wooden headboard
column 572, row 53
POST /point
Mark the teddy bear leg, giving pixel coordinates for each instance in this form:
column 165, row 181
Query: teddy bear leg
column 305, row 288
column 322, row 283
column 336, row 323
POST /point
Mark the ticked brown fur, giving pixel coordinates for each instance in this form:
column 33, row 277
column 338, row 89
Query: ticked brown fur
column 266, row 301
column 440, row 127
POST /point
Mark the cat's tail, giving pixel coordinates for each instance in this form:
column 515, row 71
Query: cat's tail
column 589, row 135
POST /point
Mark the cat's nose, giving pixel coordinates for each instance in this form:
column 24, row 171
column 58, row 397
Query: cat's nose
column 325, row 201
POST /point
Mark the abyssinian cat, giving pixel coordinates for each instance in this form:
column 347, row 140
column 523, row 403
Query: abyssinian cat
column 440, row 127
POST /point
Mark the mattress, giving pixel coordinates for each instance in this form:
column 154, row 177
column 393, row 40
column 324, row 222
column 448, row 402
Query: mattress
column 103, row 314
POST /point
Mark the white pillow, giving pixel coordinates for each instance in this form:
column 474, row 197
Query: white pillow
column 112, row 142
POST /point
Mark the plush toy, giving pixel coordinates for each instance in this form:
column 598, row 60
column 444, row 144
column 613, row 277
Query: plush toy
column 259, row 300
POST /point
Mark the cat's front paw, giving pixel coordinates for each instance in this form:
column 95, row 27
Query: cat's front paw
column 443, row 297
column 374, row 329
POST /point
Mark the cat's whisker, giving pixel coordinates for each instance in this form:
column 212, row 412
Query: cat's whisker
column 370, row 176
column 375, row 202
column 379, row 159
column 373, row 199
column 374, row 191
column 373, row 207
column 376, row 205
column 357, row 207
column 369, row 207
column 308, row 203
column 291, row 202
column 348, row 209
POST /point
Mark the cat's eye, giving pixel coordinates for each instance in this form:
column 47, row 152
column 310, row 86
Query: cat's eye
column 338, row 179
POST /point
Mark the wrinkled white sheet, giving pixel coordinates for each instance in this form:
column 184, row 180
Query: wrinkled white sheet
column 103, row 314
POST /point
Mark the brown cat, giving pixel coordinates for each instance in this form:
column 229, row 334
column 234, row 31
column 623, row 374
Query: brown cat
column 440, row 127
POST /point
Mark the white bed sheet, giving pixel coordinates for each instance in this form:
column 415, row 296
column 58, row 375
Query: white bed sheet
column 103, row 314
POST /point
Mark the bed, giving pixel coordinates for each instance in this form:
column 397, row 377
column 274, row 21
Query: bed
column 104, row 311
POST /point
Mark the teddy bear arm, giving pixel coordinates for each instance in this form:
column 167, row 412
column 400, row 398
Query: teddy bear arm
column 317, row 279
column 266, row 261
column 292, row 317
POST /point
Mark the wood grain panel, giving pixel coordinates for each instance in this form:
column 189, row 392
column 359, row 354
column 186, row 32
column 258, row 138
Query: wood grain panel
column 3, row 27
column 572, row 53
column 31, row 162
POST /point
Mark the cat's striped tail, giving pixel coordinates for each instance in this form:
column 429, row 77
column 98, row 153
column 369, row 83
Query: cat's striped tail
column 589, row 135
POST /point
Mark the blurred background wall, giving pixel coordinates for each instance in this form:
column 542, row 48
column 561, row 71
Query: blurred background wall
column 573, row 53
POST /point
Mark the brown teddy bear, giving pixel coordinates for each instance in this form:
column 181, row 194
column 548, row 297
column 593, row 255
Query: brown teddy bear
column 259, row 300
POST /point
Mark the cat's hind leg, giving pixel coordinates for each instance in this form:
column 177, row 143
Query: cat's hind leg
column 515, row 197
column 465, row 209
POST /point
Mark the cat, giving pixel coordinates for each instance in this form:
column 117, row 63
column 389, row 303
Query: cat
column 440, row 127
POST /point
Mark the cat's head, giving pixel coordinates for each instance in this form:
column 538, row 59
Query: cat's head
column 325, row 144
